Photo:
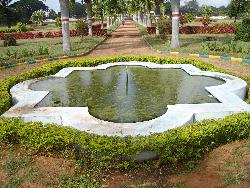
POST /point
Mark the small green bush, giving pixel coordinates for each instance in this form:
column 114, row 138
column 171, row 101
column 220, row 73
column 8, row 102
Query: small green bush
column 177, row 145
column 164, row 25
column 186, row 18
column 243, row 31
column 81, row 26
column 21, row 27
column 9, row 41
column 13, row 29
column 232, row 47
column 58, row 22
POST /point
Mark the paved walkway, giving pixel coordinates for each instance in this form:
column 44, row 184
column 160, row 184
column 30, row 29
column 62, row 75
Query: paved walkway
column 126, row 40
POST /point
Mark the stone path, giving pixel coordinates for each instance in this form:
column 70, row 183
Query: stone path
column 126, row 40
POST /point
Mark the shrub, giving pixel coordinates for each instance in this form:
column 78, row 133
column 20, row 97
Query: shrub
column 9, row 41
column 165, row 26
column 182, row 144
column 243, row 31
column 207, row 29
column 186, row 18
column 58, row 22
column 38, row 17
column 232, row 47
column 81, row 27
column 206, row 20
column 21, row 27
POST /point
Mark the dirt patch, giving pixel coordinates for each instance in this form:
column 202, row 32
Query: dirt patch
column 19, row 168
column 226, row 166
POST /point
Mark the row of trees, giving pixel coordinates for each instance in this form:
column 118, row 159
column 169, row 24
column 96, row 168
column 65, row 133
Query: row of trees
column 12, row 12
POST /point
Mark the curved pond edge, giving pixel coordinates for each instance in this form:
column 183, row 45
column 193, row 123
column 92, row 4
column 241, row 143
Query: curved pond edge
column 230, row 94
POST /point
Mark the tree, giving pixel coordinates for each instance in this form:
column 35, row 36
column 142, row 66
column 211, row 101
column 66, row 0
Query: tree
column 52, row 14
column 6, row 12
column 190, row 7
column 77, row 10
column 206, row 12
column 25, row 8
column 89, row 16
column 38, row 17
column 167, row 8
column 99, row 10
column 237, row 7
column 64, row 6
column 175, row 23
column 157, row 14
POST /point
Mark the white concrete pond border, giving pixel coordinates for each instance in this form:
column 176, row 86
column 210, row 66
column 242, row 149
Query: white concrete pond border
column 230, row 94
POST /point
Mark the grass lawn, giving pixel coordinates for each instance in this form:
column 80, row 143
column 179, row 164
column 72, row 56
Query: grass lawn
column 196, row 43
column 43, row 48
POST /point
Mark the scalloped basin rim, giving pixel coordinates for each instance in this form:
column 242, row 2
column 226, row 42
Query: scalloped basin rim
column 231, row 95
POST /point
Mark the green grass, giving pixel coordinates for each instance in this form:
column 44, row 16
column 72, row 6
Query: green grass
column 30, row 49
column 192, row 43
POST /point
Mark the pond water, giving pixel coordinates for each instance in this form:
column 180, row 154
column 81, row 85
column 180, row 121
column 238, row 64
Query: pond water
column 126, row 94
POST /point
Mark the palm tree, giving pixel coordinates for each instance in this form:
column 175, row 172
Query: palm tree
column 89, row 15
column 64, row 6
column 157, row 14
column 175, row 23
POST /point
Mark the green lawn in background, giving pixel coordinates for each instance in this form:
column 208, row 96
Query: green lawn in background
column 44, row 48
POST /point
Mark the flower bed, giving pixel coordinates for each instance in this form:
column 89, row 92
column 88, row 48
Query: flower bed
column 207, row 29
column 31, row 35
column 200, row 30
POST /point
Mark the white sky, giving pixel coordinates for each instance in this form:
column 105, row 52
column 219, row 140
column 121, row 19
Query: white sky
column 54, row 4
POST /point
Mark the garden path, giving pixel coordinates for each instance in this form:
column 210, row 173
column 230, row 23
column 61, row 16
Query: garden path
column 126, row 40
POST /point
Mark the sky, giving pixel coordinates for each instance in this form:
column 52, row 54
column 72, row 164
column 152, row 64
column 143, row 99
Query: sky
column 54, row 4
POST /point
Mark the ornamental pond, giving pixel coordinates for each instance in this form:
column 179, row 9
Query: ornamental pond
column 128, row 98
column 126, row 94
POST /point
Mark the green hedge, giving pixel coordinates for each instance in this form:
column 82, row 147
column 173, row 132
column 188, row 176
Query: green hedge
column 177, row 145
column 12, row 29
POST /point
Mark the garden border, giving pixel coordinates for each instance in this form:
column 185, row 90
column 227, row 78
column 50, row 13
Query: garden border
column 183, row 144
column 230, row 94
column 224, row 58
column 51, row 59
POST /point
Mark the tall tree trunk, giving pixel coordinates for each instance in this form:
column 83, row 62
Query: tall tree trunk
column 89, row 16
column 64, row 6
column 157, row 15
column 175, row 23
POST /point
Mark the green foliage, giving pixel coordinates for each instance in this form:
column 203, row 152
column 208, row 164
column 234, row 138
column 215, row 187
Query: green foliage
column 13, row 29
column 9, row 41
column 21, row 27
column 165, row 26
column 79, row 181
column 81, row 26
column 25, row 52
column 206, row 12
column 186, row 18
column 58, row 22
column 187, row 143
column 243, row 31
column 38, row 17
column 232, row 47
column 237, row 7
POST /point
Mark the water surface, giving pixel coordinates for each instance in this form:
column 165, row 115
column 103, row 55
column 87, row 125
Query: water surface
column 126, row 94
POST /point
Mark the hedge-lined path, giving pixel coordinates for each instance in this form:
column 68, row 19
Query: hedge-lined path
column 126, row 40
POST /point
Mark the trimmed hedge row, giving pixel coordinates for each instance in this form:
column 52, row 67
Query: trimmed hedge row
column 177, row 145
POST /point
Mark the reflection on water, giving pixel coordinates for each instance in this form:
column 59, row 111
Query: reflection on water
column 126, row 94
